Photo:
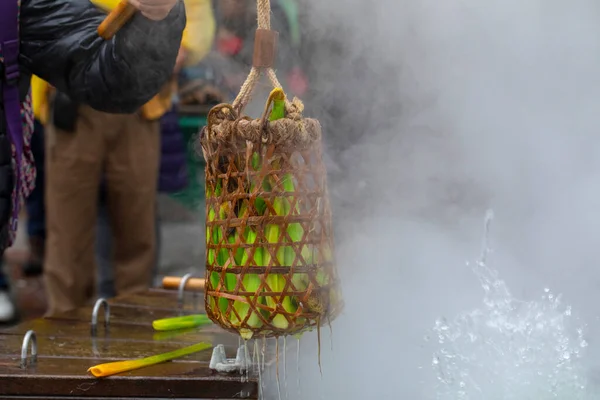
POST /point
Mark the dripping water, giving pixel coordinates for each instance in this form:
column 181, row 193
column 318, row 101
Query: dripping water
column 254, row 356
column 330, row 335
column 247, row 362
column 262, row 353
column 261, row 361
column 285, row 384
column 242, row 374
column 260, row 378
column 298, row 367
column 277, row 367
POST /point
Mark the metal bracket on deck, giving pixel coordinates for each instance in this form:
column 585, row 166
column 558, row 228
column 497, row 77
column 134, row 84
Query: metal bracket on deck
column 220, row 363
column 29, row 339
column 181, row 291
column 99, row 303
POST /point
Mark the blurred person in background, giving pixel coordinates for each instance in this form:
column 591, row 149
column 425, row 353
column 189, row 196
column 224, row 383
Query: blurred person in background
column 236, row 24
column 88, row 151
column 43, row 38
column 173, row 177
column 197, row 41
column 8, row 311
column 36, row 206
column 36, row 223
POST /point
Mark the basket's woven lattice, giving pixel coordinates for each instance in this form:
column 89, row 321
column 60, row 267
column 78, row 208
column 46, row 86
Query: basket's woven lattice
column 270, row 268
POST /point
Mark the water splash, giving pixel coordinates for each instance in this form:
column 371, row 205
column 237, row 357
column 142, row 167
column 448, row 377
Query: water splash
column 261, row 366
column 247, row 362
column 285, row 375
column 277, row 367
column 509, row 349
column 298, row 388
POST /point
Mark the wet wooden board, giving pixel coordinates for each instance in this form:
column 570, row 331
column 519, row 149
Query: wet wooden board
column 132, row 333
column 66, row 350
column 115, row 349
column 78, row 329
column 163, row 300
column 67, row 378
column 121, row 314
column 140, row 309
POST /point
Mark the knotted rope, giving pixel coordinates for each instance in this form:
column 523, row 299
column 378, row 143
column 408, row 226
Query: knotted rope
column 226, row 127
column 264, row 24
column 227, row 124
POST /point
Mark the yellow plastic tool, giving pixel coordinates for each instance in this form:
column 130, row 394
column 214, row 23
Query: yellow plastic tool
column 108, row 369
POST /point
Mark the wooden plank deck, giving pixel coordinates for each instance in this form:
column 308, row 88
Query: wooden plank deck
column 66, row 349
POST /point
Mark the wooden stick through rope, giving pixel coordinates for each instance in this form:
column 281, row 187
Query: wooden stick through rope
column 172, row 282
column 116, row 19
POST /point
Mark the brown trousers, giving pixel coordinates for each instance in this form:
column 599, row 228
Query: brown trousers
column 125, row 149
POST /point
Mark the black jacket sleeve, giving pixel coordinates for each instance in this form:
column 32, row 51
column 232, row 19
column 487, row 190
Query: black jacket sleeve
column 60, row 44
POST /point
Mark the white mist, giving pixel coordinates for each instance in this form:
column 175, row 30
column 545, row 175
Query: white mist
column 448, row 108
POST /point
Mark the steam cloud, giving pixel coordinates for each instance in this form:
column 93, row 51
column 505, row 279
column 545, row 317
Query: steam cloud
column 435, row 111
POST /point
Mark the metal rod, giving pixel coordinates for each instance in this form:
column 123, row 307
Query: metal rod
column 99, row 303
column 30, row 338
column 181, row 290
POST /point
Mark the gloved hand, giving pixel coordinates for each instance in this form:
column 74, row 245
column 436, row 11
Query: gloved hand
column 155, row 10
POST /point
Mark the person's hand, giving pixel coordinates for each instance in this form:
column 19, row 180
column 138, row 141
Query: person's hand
column 155, row 10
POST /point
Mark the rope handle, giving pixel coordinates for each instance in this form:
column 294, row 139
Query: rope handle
column 232, row 114
column 116, row 19
column 265, row 44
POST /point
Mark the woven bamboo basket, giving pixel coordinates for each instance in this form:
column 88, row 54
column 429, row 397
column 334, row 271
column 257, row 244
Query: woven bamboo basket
column 270, row 266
